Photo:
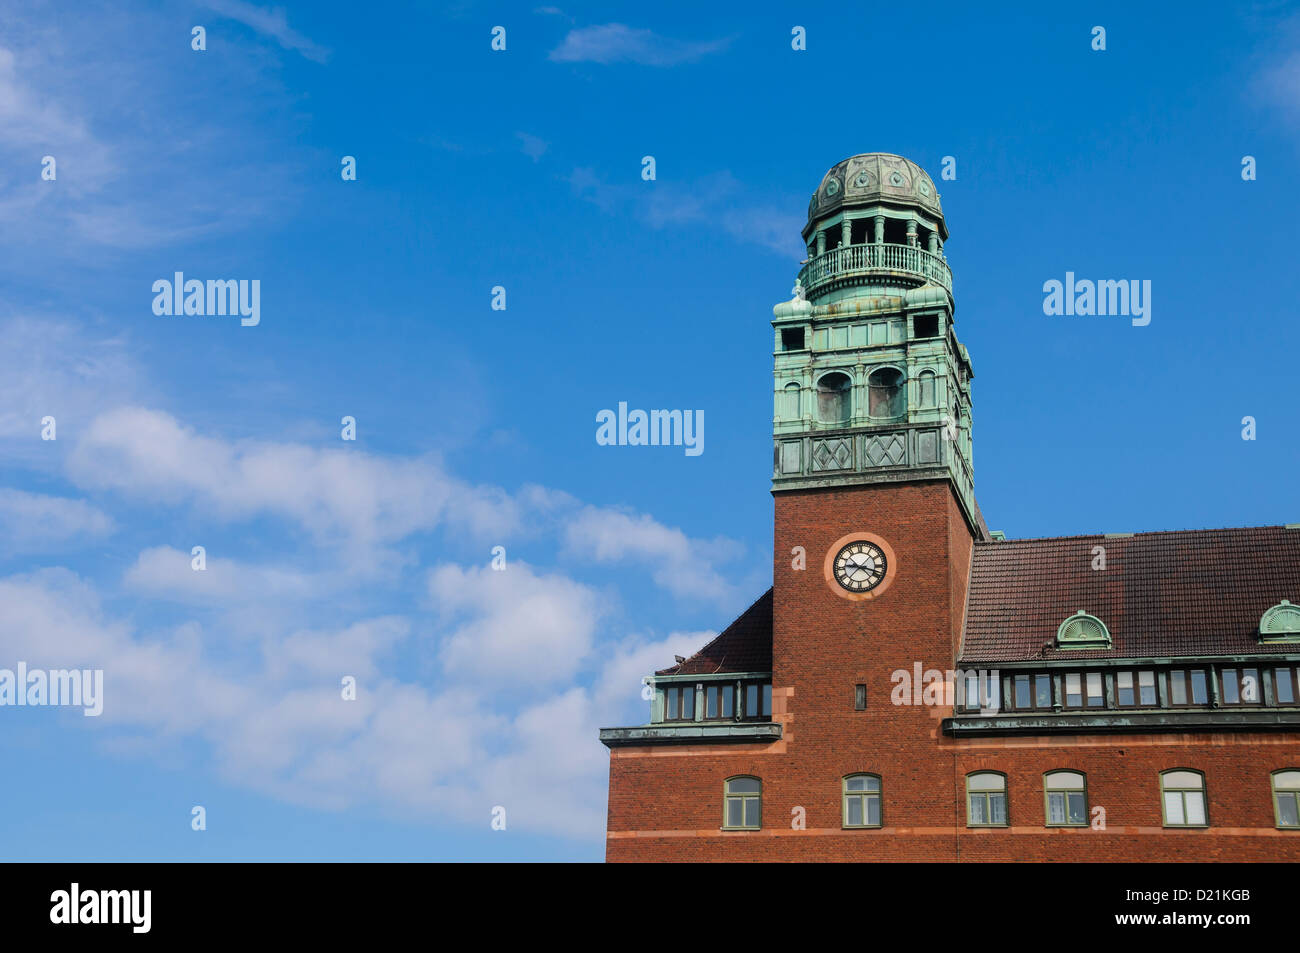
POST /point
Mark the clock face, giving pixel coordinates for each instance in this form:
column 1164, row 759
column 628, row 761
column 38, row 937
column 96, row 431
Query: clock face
column 860, row 566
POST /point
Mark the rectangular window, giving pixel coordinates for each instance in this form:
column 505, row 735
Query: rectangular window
column 672, row 703
column 1240, row 686
column 1066, row 808
column 1073, row 690
column 1022, row 692
column 981, row 693
column 728, row 701
column 1032, row 691
column 1231, row 692
column 860, row 697
column 1252, row 689
column 751, row 700
column 926, row 325
column 1284, row 686
column 1096, row 696
column 767, row 701
column 1177, row 687
column 1200, row 687
column 1125, row 694
column 688, row 703
column 1043, row 691
column 1147, row 689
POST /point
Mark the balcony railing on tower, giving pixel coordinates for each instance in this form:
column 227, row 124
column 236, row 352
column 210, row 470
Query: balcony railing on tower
column 849, row 261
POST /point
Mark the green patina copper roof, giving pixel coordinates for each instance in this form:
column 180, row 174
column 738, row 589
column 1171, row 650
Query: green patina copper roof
column 875, row 178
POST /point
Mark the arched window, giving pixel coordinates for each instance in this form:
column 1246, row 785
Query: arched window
column 862, row 800
column 1280, row 623
column 1066, row 799
column 742, row 804
column 1183, row 798
column 1286, row 798
column 1082, row 631
column 833, row 402
column 888, row 396
column 928, row 394
column 986, row 799
column 790, row 409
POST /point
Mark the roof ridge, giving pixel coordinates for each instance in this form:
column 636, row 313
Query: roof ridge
column 1119, row 536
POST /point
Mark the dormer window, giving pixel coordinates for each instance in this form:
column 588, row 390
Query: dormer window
column 1082, row 631
column 1280, row 623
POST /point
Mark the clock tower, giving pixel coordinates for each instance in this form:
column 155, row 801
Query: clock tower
column 872, row 480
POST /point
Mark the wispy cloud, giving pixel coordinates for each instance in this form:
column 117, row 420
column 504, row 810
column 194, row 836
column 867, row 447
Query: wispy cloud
column 271, row 22
column 532, row 146
column 717, row 200
column 619, row 43
column 117, row 181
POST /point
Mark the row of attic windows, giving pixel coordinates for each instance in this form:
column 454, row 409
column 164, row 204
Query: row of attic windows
column 1185, row 687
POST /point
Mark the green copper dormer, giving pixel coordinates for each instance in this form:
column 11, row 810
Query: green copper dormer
column 871, row 384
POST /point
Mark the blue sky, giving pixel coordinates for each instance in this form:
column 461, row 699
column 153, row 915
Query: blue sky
column 476, row 427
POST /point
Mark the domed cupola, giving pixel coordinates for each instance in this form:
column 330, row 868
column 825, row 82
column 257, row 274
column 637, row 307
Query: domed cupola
column 875, row 221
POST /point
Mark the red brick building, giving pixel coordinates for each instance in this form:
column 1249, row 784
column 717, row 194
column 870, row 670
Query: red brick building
column 916, row 688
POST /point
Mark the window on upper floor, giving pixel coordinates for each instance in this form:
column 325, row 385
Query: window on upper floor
column 719, row 701
column 980, row 691
column 679, row 703
column 742, row 804
column 1084, row 689
column 1182, row 795
column 1286, row 798
column 986, row 799
column 861, row 800
column 756, row 700
column 833, row 398
column 1065, row 795
column 1031, row 692
column 1240, row 686
column 1188, row 687
column 887, row 393
column 1284, row 685
column 1136, row 689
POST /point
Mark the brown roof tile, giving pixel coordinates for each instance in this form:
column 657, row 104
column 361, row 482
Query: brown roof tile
column 1166, row 594
column 743, row 646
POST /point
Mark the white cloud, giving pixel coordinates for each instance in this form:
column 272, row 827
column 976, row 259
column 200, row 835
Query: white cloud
column 33, row 522
column 514, row 624
column 682, row 565
column 166, row 573
column 619, row 688
column 344, row 496
column 280, row 726
column 619, row 43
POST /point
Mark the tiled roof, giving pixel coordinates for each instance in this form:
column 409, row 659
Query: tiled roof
column 1183, row 593
column 743, row 646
